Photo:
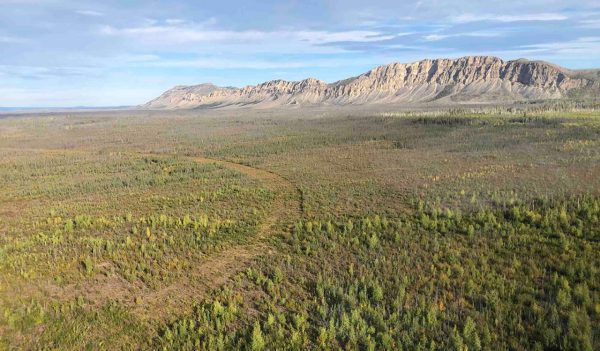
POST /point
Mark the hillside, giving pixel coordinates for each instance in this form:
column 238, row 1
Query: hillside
column 466, row 79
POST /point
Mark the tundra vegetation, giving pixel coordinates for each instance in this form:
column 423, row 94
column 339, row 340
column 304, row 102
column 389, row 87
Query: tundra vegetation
column 317, row 228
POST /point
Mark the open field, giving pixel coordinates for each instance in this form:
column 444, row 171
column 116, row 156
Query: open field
column 318, row 228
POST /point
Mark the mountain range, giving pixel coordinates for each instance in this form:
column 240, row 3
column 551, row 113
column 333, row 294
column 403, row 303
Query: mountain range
column 471, row 79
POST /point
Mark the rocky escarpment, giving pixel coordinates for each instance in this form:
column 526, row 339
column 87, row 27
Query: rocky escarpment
column 466, row 79
column 183, row 96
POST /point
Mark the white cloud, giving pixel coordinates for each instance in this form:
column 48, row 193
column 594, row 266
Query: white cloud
column 469, row 17
column 436, row 37
column 225, row 63
column 322, row 37
column 174, row 21
column 43, row 72
column 137, row 58
column 12, row 40
column 199, row 33
column 90, row 13
column 476, row 34
column 180, row 34
column 579, row 47
column 591, row 23
column 403, row 46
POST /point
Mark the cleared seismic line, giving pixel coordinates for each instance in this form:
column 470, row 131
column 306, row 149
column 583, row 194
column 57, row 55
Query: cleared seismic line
column 218, row 268
column 212, row 272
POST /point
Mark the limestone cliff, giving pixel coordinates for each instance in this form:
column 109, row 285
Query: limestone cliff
column 466, row 79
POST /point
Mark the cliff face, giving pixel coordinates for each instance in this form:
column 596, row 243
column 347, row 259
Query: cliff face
column 184, row 96
column 472, row 79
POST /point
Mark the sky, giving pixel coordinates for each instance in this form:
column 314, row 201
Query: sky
column 111, row 53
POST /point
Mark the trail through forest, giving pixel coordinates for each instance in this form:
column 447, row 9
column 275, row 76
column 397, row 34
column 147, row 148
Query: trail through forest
column 212, row 272
column 218, row 268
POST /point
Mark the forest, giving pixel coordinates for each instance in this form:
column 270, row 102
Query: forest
column 313, row 228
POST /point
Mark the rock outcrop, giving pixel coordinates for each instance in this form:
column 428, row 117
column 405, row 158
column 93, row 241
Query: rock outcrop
column 466, row 79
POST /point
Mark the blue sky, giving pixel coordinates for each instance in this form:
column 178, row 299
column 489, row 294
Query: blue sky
column 100, row 53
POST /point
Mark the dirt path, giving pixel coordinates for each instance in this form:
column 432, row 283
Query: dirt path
column 212, row 272
column 220, row 267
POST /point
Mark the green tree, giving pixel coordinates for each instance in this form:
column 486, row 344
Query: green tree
column 258, row 342
column 470, row 335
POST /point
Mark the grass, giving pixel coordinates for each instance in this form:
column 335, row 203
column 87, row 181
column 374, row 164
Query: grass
column 466, row 229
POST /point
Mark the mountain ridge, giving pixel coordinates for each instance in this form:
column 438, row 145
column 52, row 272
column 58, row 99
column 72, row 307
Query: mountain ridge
column 465, row 79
